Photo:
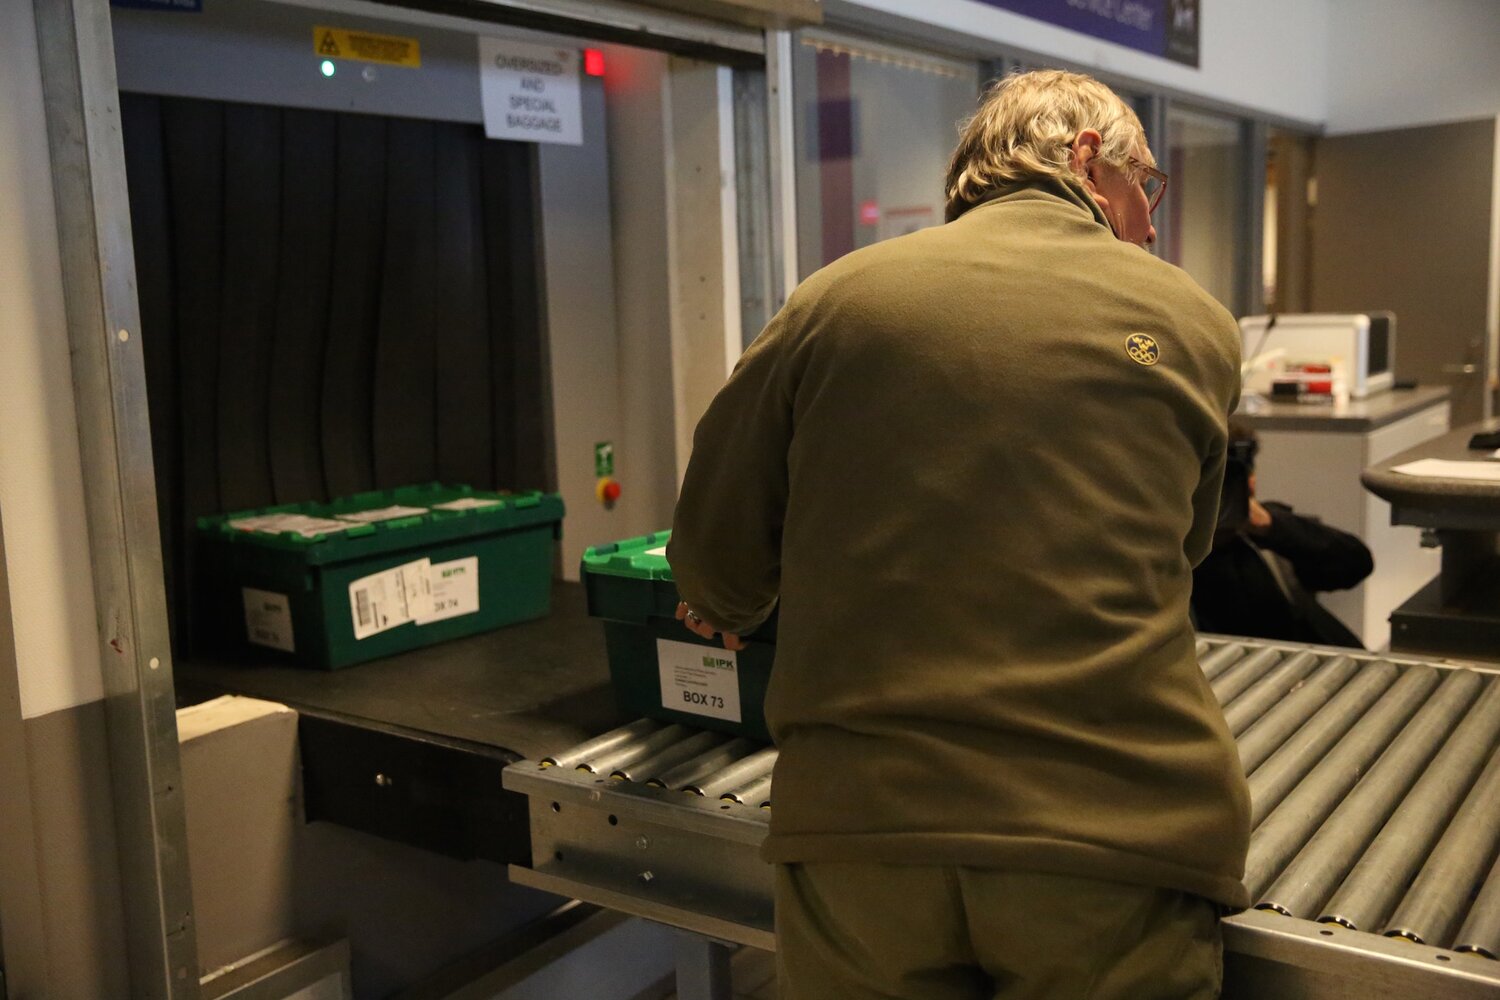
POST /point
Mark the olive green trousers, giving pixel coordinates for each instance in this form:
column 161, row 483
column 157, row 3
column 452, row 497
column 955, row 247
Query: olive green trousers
column 915, row 932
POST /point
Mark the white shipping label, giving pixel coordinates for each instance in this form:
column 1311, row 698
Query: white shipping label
column 657, row 552
column 268, row 619
column 467, row 503
column 703, row 680
column 455, row 590
column 383, row 601
column 383, row 514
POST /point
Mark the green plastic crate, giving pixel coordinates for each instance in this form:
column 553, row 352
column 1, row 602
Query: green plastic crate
column 657, row 667
column 330, row 585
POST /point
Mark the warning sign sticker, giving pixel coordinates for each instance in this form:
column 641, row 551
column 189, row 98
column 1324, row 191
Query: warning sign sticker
column 392, row 50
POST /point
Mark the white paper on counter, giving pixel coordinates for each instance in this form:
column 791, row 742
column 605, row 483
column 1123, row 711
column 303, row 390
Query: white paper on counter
column 1441, row 468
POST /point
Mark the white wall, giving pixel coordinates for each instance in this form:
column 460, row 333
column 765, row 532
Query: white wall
column 1265, row 55
column 41, row 485
column 1394, row 63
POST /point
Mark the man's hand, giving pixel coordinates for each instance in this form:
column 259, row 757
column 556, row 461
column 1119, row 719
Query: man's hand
column 1260, row 518
column 699, row 627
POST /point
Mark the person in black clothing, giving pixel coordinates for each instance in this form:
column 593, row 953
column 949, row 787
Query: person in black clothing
column 1267, row 561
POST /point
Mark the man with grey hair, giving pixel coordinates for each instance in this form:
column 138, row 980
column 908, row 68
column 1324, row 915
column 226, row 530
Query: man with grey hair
column 975, row 466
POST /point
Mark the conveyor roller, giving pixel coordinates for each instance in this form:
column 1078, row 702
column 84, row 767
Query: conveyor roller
column 1375, row 799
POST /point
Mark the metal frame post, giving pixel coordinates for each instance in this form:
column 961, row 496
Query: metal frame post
column 81, row 98
column 703, row 971
column 1250, row 297
column 781, row 132
column 23, row 945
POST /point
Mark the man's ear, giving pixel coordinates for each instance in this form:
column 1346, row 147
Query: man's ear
column 1084, row 152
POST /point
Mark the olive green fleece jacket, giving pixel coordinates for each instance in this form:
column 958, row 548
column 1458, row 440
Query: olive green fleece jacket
column 978, row 495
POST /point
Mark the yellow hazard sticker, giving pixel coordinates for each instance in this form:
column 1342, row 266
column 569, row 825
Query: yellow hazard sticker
column 341, row 43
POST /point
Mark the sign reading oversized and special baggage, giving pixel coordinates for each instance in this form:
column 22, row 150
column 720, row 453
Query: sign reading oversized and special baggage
column 530, row 92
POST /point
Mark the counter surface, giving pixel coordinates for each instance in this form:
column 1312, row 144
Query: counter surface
column 527, row 690
column 1432, row 502
column 1358, row 416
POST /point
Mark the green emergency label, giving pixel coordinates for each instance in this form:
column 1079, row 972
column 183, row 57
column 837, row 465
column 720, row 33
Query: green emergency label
column 604, row 459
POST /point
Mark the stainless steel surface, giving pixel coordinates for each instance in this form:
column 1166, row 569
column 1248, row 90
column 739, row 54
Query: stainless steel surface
column 98, row 270
column 1263, row 736
column 1287, row 767
column 1271, row 957
column 1330, row 721
column 1481, row 931
column 1383, row 873
column 1436, row 903
column 1321, row 865
column 1246, row 708
column 1357, row 416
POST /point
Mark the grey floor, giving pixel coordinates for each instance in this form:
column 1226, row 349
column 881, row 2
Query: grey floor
column 754, row 975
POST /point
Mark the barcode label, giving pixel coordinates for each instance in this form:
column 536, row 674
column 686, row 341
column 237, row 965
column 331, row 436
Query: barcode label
column 268, row 619
column 391, row 598
column 455, row 590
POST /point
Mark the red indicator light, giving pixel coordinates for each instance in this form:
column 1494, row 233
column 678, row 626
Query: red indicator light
column 593, row 62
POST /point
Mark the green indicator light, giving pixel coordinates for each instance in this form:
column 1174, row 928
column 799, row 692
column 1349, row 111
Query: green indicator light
column 327, row 67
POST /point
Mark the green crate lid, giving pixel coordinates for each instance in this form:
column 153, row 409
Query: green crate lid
column 642, row 558
column 383, row 520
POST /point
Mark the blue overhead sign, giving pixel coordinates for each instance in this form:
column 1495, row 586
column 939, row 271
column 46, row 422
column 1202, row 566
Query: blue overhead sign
column 1167, row 28
column 189, row 6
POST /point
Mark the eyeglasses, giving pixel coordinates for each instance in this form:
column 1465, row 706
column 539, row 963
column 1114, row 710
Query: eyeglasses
column 1153, row 182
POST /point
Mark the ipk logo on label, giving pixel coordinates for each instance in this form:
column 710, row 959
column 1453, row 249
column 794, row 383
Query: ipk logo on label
column 455, row 571
column 716, row 663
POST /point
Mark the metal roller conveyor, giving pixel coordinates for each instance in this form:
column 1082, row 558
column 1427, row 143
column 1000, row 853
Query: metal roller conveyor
column 1439, row 898
column 1375, row 794
column 738, row 777
column 623, row 752
column 1267, row 691
column 601, row 745
column 1383, row 873
column 1322, row 864
column 1298, row 816
column 1306, row 749
column 755, row 793
column 1264, row 736
column 650, row 769
column 1481, row 932
column 705, row 764
column 1235, row 680
column 1216, row 661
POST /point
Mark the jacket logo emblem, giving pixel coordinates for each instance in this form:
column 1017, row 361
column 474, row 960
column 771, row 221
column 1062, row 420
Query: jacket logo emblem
column 1142, row 349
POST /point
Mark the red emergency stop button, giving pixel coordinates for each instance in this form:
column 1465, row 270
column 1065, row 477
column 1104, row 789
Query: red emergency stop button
column 608, row 490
